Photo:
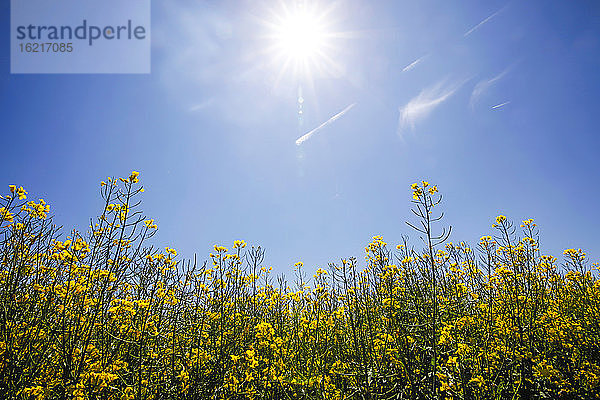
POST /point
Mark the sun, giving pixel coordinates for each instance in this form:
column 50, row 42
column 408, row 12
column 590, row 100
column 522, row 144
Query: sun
column 301, row 38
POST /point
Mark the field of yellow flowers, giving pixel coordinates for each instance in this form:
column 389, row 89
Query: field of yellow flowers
column 103, row 315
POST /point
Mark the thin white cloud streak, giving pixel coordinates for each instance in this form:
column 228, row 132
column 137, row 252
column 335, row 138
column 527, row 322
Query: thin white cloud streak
column 413, row 64
column 483, row 85
column 485, row 21
column 307, row 136
column 422, row 105
column 202, row 105
column 500, row 105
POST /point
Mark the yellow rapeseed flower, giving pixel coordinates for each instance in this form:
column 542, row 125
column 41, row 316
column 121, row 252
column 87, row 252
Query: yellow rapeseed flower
column 134, row 177
column 22, row 193
column 6, row 215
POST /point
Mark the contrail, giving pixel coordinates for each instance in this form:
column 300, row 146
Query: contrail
column 500, row 105
column 412, row 64
column 473, row 29
column 305, row 137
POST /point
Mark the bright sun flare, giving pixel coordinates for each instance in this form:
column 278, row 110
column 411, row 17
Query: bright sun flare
column 301, row 39
column 300, row 36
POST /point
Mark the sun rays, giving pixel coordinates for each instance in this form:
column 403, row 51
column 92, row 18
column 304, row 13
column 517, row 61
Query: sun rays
column 302, row 39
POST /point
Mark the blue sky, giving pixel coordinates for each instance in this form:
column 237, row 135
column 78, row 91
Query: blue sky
column 496, row 102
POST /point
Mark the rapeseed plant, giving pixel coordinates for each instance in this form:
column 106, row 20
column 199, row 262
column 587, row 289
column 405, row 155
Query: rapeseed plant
column 104, row 315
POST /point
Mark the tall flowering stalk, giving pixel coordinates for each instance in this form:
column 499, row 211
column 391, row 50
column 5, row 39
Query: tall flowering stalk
column 425, row 198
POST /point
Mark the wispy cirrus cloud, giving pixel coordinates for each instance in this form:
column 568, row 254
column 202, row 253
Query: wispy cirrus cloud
column 421, row 106
column 202, row 105
column 482, row 86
